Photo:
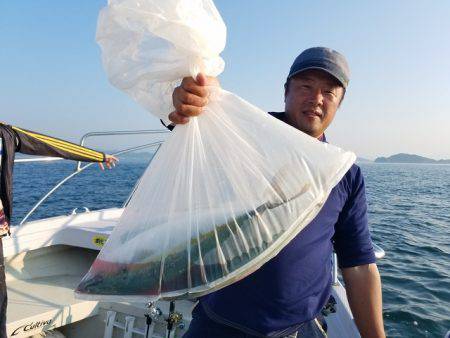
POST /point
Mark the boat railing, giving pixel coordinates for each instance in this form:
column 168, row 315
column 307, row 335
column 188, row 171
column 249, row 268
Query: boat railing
column 80, row 167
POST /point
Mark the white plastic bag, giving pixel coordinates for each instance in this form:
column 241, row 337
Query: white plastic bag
column 149, row 46
column 226, row 192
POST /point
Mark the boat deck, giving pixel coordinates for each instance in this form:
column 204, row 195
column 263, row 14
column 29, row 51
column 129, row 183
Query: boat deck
column 45, row 302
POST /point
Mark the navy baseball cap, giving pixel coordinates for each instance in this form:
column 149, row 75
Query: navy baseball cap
column 325, row 59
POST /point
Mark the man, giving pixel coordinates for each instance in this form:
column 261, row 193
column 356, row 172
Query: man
column 285, row 296
column 12, row 140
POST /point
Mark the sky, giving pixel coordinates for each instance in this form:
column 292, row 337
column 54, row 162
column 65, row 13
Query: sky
column 52, row 80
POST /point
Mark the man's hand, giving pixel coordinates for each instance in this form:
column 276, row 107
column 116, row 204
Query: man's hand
column 110, row 162
column 363, row 286
column 191, row 97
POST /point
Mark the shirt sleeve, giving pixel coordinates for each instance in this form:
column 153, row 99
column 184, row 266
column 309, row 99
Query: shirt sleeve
column 32, row 143
column 352, row 241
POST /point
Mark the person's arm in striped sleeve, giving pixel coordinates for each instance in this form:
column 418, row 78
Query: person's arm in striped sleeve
column 32, row 143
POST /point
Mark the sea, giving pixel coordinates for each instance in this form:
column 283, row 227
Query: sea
column 409, row 215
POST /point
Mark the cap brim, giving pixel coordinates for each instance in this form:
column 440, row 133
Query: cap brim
column 341, row 81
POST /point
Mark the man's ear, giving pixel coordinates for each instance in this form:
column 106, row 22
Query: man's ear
column 286, row 88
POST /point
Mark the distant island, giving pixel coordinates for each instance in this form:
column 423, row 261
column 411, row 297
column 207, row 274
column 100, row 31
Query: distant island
column 363, row 160
column 409, row 158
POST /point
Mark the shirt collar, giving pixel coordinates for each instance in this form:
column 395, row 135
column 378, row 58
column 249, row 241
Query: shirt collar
column 323, row 138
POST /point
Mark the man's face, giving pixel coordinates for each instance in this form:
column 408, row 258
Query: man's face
column 311, row 101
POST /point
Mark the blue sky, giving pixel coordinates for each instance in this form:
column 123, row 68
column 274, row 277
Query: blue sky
column 51, row 77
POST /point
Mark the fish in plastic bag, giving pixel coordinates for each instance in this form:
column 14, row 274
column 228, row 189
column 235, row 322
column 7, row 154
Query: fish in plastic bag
column 225, row 192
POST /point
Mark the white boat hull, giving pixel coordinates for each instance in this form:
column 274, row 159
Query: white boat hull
column 46, row 259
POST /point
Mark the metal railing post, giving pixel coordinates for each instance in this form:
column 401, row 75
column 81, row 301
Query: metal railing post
column 335, row 269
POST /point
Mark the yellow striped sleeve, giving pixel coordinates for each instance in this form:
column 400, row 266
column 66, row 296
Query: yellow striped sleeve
column 64, row 145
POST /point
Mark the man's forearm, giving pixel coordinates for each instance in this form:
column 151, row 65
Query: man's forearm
column 363, row 286
column 34, row 143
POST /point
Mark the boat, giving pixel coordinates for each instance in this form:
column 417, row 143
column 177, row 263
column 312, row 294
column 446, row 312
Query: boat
column 46, row 259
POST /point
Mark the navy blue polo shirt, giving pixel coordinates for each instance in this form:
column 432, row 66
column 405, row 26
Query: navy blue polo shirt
column 293, row 287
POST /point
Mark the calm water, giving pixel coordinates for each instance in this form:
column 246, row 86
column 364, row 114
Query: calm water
column 409, row 209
